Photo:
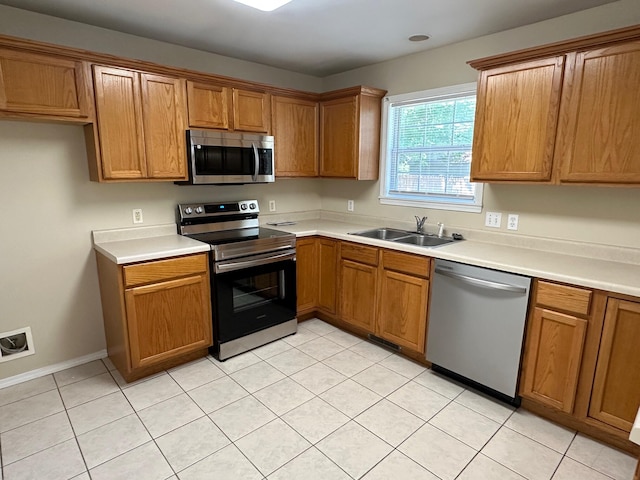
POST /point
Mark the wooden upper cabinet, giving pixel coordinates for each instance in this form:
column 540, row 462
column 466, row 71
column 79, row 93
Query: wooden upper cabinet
column 350, row 133
column 251, row 111
column 226, row 108
column 516, row 119
column 616, row 388
column 553, row 358
column 163, row 118
column 40, row 85
column 599, row 130
column 208, row 105
column 141, row 124
column 294, row 125
column 119, row 114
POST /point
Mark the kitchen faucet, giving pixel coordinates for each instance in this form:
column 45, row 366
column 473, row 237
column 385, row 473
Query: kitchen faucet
column 420, row 224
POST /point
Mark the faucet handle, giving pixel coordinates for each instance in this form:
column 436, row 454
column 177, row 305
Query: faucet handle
column 420, row 222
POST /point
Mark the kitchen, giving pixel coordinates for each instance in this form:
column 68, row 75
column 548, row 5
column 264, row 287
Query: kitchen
column 63, row 206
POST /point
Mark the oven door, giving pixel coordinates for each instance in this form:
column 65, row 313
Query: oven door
column 253, row 293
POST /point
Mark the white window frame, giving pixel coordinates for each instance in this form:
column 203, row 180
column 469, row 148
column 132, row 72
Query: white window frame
column 474, row 206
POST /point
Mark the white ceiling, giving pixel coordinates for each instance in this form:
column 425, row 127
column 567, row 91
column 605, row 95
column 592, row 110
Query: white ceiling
column 316, row 37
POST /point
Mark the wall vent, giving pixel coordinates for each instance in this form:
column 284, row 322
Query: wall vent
column 16, row 344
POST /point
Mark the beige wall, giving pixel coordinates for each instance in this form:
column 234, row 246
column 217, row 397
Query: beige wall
column 591, row 214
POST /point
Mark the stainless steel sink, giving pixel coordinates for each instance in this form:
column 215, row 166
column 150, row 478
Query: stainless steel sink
column 404, row 236
column 424, row 240
column 383, row 233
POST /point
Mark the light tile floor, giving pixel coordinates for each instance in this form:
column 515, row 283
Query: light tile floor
column 321, row 404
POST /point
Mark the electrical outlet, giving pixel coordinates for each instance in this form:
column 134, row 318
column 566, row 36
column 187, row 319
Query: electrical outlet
column 493, row 219
column 512, row 221
column 349, row 205
column 272, row 205
column 137, row 215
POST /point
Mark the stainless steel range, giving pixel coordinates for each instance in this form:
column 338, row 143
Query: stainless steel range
column 253, row 274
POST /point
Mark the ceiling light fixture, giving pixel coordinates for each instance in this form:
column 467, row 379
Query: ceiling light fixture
column 264, row 5
column 417, row 38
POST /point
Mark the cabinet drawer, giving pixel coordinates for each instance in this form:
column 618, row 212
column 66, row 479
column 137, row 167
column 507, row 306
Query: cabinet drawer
column 359, row 253
column 562, row 297
column 406, row 263
column 157, row 271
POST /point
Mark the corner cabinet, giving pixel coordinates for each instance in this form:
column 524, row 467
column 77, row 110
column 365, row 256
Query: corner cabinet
column 157, row 314
column 562, row 113
column 317, row 273
column 141, row 120
column 350, row 133
column 46, row 87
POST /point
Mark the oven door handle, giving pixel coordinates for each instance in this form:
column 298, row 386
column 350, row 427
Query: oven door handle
column 238, row 265
column 256, row 163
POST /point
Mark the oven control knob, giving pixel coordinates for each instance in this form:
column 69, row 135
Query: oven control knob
column 243, row 206
column 198, row 209
column 252, row 206
column 188, row 210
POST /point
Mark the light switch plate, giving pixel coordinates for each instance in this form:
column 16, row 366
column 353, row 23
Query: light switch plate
column 493, row 219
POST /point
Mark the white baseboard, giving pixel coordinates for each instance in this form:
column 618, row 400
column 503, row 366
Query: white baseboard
column 41, row 372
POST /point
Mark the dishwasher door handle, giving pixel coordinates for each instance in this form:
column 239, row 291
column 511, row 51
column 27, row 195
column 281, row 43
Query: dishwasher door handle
column 482, row 283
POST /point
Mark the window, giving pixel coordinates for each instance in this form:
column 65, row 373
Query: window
column 426, row 157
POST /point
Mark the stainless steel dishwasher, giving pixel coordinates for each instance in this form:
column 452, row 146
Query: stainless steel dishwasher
column 476, row 326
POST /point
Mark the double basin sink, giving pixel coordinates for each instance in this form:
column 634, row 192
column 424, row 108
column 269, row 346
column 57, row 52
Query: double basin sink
column 404, row 236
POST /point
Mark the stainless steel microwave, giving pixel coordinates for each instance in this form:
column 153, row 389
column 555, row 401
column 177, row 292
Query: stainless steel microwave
column 219, row 158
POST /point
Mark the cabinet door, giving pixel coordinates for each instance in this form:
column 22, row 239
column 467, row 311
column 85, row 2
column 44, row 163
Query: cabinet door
column 600, row 127
column 39, row 84
column 307, row 274
column 339, row 121
column 328, row 255
column 168, row 319
column 516, row 119
column 251, row 111
column 295, row 130
column 208, row 105
column 616, row 388
column 358, row 284
column 402, row 314
column 118, row 108
column 163, row 117
column 553, row 358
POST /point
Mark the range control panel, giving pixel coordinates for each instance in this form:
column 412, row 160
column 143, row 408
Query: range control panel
column 203, row 210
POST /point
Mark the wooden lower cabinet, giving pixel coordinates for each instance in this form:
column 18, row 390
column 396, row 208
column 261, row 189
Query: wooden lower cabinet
column 581, row 363
column 307, row 275
column 402, row 311
column 328, row 256
column 157, row 314
column 358, row 286
column 616, row 387
column 317, row 275
column 554, row 355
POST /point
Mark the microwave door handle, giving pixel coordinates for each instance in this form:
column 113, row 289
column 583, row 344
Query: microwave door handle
column 256, row 162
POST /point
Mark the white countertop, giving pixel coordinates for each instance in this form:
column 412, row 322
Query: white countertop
column 634, row 436
column 150, row 248
column 589, row 272
column 126, row 246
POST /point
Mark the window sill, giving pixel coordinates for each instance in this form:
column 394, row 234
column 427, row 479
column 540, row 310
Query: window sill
column 433, row 205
